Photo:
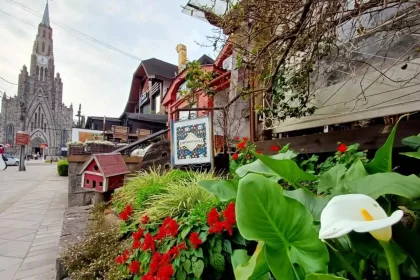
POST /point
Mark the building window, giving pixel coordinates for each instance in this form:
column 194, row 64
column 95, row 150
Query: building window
column 39, row 118
column 42, row 74
column 43, row 46
column 188, row 115
column 46, row 73
column 156, row 103
column 10, row 134
column 43, row 33
column 32, row 126
column 45, row 127
column 64, row 138
column 36, row 119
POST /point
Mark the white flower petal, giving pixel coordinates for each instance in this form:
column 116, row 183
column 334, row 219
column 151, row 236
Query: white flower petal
column 378, row 224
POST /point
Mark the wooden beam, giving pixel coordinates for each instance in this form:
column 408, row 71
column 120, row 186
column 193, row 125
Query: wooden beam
column 369, row 138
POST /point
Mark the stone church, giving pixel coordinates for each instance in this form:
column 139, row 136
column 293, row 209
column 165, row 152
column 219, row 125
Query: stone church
column 39, row 100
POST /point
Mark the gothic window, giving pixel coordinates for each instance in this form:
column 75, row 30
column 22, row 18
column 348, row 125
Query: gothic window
column 42, row 119
column 53, row 102
column 37, row 70
column 39, row 118
column 42, row 74
column 32, row 126
column 46, row 73
column 10, row 134
column 36, row 119
column 43, row 33
column 45, row 127
column 64, row 138
column 43, row 46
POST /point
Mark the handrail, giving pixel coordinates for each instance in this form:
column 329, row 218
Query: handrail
column 155, row 88
column 141, row 141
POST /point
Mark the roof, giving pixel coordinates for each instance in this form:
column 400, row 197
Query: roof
column 157, row 67
column 46, row 17
column 148, row 117
column 102, row 118
column 205, row 60
column 109, row 164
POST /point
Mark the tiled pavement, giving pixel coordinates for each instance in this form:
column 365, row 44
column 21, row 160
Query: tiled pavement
column 32, row 205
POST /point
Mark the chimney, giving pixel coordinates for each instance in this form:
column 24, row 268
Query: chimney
column 182, row 56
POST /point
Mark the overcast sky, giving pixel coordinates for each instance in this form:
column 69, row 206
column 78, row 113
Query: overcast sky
column 93, row 75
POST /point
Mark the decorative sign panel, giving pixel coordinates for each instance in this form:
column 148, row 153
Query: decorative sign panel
column 22, row 138
column 191, row 141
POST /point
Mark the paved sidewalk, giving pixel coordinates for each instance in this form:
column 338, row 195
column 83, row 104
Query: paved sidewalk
column 32, row 205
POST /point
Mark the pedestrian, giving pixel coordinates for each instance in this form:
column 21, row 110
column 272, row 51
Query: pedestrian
column 3, row 159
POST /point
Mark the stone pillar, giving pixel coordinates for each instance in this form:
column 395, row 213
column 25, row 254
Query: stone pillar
column 77, row 195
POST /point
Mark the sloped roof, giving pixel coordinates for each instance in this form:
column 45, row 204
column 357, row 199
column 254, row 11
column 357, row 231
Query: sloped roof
column 148, row 117
column 157, row 67
column 102, row 118
column 205, row 60
column 109, row 164
column 46, row 17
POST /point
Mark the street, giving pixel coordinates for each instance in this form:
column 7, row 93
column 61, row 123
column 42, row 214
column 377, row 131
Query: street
column 32, row 204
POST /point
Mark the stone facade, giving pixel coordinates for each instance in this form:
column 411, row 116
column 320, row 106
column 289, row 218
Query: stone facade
column 38, row 107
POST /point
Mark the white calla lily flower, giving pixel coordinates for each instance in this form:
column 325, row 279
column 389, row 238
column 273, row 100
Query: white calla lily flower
column 359, row 213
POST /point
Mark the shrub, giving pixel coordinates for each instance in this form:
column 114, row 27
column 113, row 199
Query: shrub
column 94, row 256
column 63, row 168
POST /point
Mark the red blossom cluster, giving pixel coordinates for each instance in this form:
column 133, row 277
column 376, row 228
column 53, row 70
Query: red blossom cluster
column 342, row 148
column 195, row 240
column 275, row 148
column 122, row 259
column 145, row 220
column 126, row 213
column 168, row 228
column 217, row 225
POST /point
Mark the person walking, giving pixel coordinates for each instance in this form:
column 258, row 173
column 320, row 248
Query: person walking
column 3, row 159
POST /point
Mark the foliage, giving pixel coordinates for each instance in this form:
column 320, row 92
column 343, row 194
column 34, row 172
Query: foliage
column 285, row 223
column 63, row 168
column 94, row 256
column 414, row 143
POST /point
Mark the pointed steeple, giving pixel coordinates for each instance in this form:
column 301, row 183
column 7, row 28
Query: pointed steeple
column 46, row 17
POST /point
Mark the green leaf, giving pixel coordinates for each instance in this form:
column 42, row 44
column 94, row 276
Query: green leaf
column 254, row 268
column 316, row 276
column 387, row 183
column 217, row 261
column 227, row 247
column 224, row 189
column 217, row 246
column 286, row 169
column 412, row 141
column 382, row 162
column 260, row 168
column 181, row 274
column 312, row 203
column 355, row 172
column 197, row 268
column 185, row 232
column 238, row 239
column 283, row 224
column 412, row 154
column 187, row 265
column 199, row 253
column 239, row 256
column 331, row 179
column 408, row 240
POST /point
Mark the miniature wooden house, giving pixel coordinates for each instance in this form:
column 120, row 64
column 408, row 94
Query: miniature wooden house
column 104, row 172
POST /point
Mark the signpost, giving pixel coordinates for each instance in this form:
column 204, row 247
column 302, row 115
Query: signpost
column 22, row 140
column 192, row 142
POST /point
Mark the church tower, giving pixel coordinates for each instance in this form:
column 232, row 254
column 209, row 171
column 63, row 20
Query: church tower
column 47, row 119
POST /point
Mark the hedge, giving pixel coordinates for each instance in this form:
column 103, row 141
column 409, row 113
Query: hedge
column 63, row 168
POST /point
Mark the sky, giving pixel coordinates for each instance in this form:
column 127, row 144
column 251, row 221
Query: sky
column 97, row 77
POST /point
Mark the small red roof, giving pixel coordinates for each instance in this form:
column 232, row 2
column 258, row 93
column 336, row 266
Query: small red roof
column 109, row 164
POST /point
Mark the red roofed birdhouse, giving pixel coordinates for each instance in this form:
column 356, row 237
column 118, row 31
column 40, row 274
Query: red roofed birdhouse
column 104, row 172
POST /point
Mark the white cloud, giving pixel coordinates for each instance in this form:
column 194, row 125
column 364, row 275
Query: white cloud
column 93, row 75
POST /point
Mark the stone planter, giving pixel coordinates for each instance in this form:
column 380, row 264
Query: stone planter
column 93, row 148
column 76, row 150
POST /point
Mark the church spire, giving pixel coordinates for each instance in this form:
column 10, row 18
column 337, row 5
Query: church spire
column 46, row 17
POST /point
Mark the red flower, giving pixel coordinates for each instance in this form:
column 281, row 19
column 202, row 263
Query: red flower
column 134, row 267
column 138, row 234
column 145, row 220
column 148, row 276
column 228, row 228
column 166, row 272
column 124, row 216
column 217, row 227
column 136, row 244
column 149, row 243
column 212, row 216
column 168, row 228
column 174, row 251
column 245, row 139
column 165, row 259
column 342, row 148
column 129, row 210
column 259, row 152
column 229, row 214
column 154, row 263
column 241, row 145
column 236, row 138
column 195, row 240
column 235, row 156
column 274, row 148
column 122, row 259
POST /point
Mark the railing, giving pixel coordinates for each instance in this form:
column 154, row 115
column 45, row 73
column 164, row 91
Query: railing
column 155, row 88
column 131, row 147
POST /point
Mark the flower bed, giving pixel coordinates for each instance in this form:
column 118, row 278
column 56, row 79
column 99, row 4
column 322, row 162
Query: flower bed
column 284, row 216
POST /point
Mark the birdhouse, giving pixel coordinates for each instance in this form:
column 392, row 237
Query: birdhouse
column 104, row 172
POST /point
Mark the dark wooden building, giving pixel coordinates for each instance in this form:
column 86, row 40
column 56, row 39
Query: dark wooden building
column 97, row 123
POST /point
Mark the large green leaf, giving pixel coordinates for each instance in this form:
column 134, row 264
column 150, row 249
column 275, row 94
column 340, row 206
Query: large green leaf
column 283, row 224
column 224, row 189
column 313, row 203
column 409, row 240
column 286, row 169
column 412, row 154
column 317, row 276
column 387, row 183
column 260, row 168
column 331, row 179
column 255, row 267
column 382, row 161
column 412, row 141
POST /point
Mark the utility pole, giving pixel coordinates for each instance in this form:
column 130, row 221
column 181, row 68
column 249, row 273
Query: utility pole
column 22, row 128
